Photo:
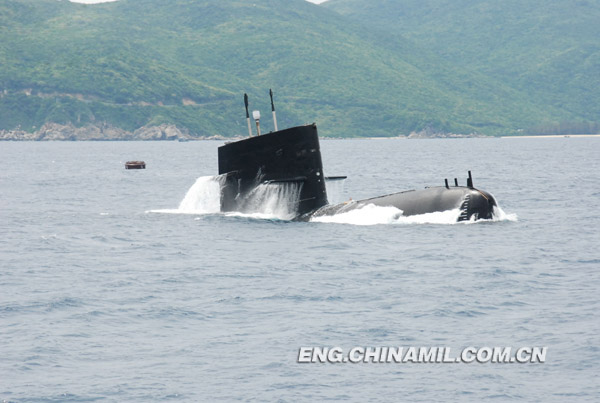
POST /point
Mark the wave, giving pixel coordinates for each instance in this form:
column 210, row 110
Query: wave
column 371, row 214
column 273, row 200
column 500, row 215
column 267, row 201
column 202, row 198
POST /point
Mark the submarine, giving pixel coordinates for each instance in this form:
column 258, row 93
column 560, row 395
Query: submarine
column 291, row 158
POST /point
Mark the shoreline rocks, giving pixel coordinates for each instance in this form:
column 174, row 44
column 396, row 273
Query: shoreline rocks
column 102, row 132
column 430, row 133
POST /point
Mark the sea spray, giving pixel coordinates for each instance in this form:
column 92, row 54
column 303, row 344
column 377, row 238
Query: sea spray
column 500, row 215
column 203, row 197
column 266, row 201
column 371, row 214
column 274, row 200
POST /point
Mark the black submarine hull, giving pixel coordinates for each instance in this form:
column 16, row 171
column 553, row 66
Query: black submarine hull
column 293, row 157
column 473, row 204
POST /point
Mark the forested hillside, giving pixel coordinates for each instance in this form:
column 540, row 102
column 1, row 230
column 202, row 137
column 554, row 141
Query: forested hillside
column 548, row 49
column 135, row 63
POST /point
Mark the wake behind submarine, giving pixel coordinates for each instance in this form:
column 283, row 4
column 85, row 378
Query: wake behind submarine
column 292, row 158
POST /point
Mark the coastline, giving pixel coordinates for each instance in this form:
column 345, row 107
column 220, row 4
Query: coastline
column 550, row 136
column 169, row 132
column 103, row 132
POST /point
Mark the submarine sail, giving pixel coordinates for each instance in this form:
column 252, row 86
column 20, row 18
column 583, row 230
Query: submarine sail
column 292, row 155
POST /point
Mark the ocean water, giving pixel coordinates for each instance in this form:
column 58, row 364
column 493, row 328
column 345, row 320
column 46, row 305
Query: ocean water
column 124, row 285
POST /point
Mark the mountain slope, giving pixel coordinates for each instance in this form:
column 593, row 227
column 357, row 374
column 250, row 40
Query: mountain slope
column 146, row 62
column 548, row 48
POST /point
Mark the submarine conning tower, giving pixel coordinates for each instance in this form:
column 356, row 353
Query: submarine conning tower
column 286, row 156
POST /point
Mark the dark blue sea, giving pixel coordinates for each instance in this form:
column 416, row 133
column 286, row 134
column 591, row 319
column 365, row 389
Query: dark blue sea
column 113, row 289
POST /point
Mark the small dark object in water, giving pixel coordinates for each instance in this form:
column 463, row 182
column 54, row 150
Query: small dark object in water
column 135, row 165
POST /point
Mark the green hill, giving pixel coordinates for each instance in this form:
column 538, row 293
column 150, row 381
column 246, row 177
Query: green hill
column 133, row 63
column 546, row 48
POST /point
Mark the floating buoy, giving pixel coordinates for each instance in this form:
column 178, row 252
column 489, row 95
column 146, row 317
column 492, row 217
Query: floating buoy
column 135, row 165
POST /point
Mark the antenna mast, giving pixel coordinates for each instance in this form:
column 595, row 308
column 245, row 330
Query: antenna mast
column 247, row 115
column 273, row 109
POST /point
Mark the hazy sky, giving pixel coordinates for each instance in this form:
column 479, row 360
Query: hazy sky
column 105, row 1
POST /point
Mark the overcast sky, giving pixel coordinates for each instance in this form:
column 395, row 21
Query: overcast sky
column 106, row 1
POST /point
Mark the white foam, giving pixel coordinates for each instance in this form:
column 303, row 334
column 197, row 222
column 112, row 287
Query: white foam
column 273, row 200
column 266, row 201
column 500, row 215
column 371, row 214
column 204, row 197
